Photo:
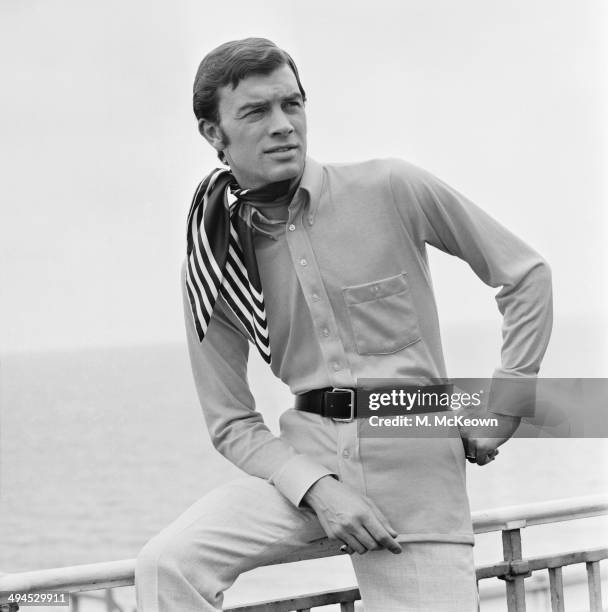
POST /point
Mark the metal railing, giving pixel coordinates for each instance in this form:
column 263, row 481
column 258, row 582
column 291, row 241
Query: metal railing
column 513, row 569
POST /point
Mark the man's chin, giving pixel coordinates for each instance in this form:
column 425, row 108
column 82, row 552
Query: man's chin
column 285, row 172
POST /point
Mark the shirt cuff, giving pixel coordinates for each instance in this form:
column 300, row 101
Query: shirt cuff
column 513, row 396
column 297, row 476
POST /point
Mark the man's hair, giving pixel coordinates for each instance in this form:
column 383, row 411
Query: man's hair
column 229, row 64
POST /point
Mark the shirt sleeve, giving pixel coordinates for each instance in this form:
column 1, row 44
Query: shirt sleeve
column 237, row 430
column 436, row 214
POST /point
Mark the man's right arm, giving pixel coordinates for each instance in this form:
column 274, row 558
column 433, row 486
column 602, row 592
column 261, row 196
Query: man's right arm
column 237, row 430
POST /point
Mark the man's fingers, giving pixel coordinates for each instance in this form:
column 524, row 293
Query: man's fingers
column 480, row 453
column 484, row 459
column 354, row 544
column 365, row 538
column 383, row 520
column 381, row 538
column 382, row 532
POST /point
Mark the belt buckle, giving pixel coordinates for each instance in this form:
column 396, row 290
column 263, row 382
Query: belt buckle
column 352, row 405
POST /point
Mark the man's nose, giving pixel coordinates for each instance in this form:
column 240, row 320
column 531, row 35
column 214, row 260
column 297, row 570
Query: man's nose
column 280, row 124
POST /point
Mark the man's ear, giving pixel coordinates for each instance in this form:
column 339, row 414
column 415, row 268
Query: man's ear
column 212, row 133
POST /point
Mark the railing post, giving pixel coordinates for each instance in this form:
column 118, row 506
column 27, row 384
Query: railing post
column 556, row 588
column 111, row 605
column 74, row 603
column 514, row 581
column 595, row 586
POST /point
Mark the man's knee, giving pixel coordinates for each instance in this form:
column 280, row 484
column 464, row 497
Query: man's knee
column 232, row 529
column 171, row 562
column 190, row 546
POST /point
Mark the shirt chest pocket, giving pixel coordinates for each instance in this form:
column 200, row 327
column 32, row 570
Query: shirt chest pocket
column 382, row 315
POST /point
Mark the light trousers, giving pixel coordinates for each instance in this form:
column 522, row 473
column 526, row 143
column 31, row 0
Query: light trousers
column 247, row 522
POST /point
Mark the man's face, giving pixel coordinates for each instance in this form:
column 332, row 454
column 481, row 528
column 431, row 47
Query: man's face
column 262, row 129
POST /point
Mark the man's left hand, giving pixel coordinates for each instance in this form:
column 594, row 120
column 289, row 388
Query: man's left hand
column 479, row 447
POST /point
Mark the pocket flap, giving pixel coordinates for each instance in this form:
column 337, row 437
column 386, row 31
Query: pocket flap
column 384, row 287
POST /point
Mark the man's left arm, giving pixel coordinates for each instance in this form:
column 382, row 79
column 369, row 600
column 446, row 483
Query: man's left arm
column 437, row 214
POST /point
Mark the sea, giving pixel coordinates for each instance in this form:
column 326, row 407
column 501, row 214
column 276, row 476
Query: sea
column 102, row 448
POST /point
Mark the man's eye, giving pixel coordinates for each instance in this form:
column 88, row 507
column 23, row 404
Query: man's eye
column 255, row 112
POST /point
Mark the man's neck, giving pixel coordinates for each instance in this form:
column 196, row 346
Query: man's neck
column 283, row 196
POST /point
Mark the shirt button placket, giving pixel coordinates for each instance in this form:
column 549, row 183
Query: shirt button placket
column 320, row 307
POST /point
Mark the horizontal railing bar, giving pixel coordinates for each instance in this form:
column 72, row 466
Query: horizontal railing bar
column 539, row 581
column 569, row 558
column 75, row 578
column 121, row 573
column 494, row 570
column 540, row 513
column 310, row 600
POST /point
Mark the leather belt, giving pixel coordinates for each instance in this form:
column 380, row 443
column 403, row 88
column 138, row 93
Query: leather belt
column 340, row 404
column 336, row 403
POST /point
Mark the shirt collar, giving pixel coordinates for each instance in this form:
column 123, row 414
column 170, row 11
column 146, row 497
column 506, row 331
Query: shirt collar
column 310, row 186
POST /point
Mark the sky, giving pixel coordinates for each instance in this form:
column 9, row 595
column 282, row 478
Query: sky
column 503, row 100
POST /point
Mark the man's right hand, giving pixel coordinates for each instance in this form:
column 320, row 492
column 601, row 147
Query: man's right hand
column 347, row 516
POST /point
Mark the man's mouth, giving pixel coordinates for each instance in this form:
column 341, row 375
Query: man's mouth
column 282, row 149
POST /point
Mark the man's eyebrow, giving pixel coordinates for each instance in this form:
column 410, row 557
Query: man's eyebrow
column 249, row 105
column 255, row 104
column 296, row 95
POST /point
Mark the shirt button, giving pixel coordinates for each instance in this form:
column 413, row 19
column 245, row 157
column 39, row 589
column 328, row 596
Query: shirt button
column 311, row 220
column 291, row 227
column 315, row 297
column 325, row 332
column 345, row 453
column 303, row 262
column 335, row 365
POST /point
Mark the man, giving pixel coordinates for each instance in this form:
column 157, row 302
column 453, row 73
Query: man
column 324, row 269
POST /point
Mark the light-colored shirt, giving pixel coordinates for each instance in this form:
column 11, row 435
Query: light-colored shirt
column 348, row 295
